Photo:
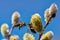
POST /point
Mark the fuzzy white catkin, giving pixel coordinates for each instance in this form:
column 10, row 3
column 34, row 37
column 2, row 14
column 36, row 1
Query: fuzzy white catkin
column 5, row 30
column 47, row 36
column 46, row 15
column 53, row 9
column 14, row 37
column 36, row 22
column 28, row 36
column 15, row 18
column 50, row 12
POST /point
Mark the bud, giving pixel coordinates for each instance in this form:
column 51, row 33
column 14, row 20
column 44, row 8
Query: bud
column 47, row 36
column 37, row 23
column 15, row 18
column 46, row 15
column 5, row 30
column 14, row 37
column 53, row 10
column 28, row 36
column 50, row 12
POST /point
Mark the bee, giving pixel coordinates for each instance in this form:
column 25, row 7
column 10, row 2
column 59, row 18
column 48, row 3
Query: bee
column 20, row 25
column 31, row 28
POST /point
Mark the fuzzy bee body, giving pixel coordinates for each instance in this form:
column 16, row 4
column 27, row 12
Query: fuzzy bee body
column 30, row 28
column 20, row 25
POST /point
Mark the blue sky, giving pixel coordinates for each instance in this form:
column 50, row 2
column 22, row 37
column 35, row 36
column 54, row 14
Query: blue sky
column 27, row 8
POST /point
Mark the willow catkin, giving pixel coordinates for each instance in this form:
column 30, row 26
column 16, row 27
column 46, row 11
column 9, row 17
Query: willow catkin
column 53, row 9
column 15, row 18
column 50, row 12
column 28, row 36
column 5, row 30
column 14, row 37
column 47, row 36
column 46, row 15
column 37, row 23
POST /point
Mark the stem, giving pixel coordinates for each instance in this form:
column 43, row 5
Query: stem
column 10, row 32
column 11, row 29
column 47, row 22
column 39, row 36
column 8, row 38
column 45, row 26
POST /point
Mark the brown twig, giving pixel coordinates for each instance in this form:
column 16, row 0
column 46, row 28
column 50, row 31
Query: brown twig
column 47, row 22
column 11, row 29
column 39, row 36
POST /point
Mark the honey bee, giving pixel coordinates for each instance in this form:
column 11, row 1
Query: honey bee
column 20, row 25
column 31, row 28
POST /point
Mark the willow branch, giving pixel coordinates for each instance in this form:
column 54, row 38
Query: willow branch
column 11, row 29
column 45, row 26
